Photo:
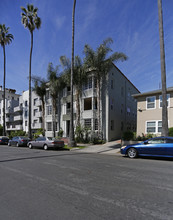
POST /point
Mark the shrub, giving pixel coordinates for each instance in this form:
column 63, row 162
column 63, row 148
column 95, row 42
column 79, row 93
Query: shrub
column 17, row 133
column 128, row 135
column 60, row 133
column 38, row 133
column 171, row 132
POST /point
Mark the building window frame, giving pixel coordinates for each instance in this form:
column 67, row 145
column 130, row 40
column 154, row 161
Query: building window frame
column 151, row 102
column 168, row 101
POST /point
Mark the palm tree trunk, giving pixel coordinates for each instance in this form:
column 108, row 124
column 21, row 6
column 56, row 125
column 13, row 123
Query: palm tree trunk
column 77, row 108
column 29, row 124
column 43, row 116
column 163, row 73
column 4, row 127
column 54, row 120
column 98, row 105
column 72, row 141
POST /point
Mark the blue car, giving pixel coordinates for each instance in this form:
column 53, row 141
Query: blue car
column 155, row 147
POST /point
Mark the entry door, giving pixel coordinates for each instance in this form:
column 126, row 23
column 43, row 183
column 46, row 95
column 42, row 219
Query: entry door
column 68, row 128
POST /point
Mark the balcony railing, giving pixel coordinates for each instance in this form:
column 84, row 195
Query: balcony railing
column 18, row 118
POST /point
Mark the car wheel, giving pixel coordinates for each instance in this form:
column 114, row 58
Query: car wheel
column 132, row 153
column 45, row 147
column 17, row 145
column 9, row 144
column 30, row 146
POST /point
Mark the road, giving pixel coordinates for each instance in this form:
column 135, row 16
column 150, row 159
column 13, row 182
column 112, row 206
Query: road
column 37, row 184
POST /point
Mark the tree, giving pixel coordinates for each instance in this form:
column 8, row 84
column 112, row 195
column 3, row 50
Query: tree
column 79, row 78
column 40, row 86
column 31, row 21
column 55, row 85
column 72, row 140
column 163, row 73
column 5, row 38
column 100, row 63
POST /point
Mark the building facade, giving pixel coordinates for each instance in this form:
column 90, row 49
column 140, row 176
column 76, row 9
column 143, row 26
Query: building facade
column 149, row 111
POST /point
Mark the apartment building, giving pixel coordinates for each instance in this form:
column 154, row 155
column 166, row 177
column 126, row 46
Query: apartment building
column 149, row 111
column 118, row 107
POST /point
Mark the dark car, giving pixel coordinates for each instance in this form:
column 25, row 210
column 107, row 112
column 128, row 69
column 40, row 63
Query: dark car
column 18, row 141
column 45, row 143
column 4, row 140
column 156, row 147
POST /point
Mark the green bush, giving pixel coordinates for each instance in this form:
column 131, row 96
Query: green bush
column 38, row 133
column 171, row 132
column 17, row 133
column 128, row 135
column 1, row 130
column 60, row 132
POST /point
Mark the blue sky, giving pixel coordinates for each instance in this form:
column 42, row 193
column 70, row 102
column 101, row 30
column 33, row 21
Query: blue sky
column 133, row 26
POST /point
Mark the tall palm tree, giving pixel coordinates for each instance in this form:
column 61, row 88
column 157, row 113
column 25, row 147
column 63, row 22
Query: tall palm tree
column 31, row 21
column 40, row 86
column 79, row 79
column 100, row 63
column 55, row 85
column 72, row 140
column 163, row 73
column 5, row 38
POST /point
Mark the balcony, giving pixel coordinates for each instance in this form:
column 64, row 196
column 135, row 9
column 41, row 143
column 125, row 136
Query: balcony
column 36, row 125
column 14, row 127
column 18, row 109
column 38, row 115
column 38, row 103
column 18, row 118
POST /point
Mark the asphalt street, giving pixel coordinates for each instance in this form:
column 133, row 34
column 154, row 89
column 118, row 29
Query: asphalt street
column 37, row 184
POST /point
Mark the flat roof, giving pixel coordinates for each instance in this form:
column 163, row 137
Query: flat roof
column 159, row 91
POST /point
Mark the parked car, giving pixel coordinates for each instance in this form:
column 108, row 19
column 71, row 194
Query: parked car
column 45, row 143
column 4, row 140
column 157, row 147
column 18, row 141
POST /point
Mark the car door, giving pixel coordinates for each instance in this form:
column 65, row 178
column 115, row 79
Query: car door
column 13, row 141
column 169, row 146
column 155, row 146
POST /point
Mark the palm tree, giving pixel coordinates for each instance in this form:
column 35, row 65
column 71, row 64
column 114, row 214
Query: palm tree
column 79, row 79
column 40, row 86
column 163, row 73
column 31, row 21
column 100, row 63
column 55, row 85
column 72, row 140
column 5, row 38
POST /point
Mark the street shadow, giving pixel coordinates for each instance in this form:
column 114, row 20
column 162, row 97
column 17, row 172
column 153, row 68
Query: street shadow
column 39, row 157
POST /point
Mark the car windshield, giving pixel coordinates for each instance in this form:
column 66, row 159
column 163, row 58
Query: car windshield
column 51, row 138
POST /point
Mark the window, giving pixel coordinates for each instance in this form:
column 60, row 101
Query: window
column 112, row 104
column 26, row 103
column 35, row 111
column 96, row 124
column 35, row 100
column 49, row 126
column 154, row 127
column 49, row 110
column 151, row 127
column 26, row 114
column 88, row 104
column 26, row 123
column 151, row 102
column 168, row 100
column 87, row 123
column 156, row 141
column 88, row 84
column 47, row 94
column 112, row 125
column 112, row 83
column 68, row 108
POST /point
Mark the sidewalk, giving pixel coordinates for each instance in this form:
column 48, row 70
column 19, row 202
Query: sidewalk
column 111, row 148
